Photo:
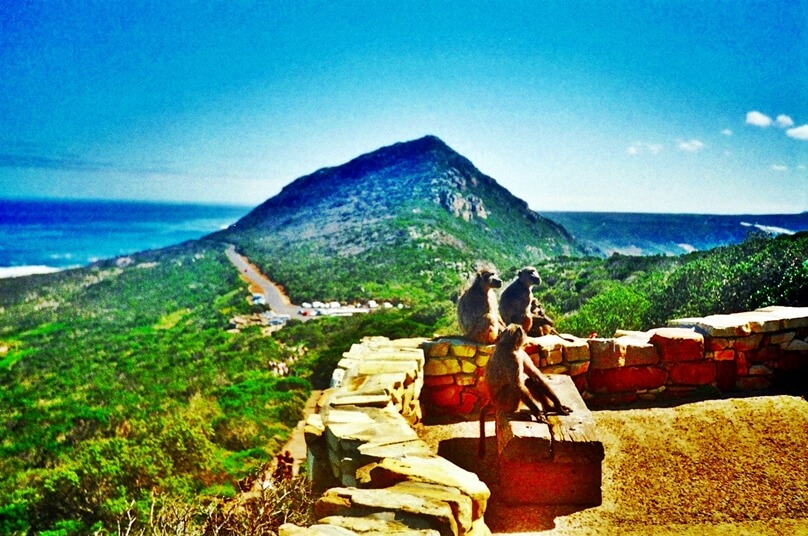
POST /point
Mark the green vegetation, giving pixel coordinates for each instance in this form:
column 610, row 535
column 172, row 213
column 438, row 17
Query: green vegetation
column 121, row 388
column 127, row 403
column 589, row 295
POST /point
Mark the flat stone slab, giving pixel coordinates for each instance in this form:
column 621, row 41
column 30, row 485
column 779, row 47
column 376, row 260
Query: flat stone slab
column 554, row 463
column 765, row 320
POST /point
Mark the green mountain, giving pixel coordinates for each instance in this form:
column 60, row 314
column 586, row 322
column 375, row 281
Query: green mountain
column 395, row 223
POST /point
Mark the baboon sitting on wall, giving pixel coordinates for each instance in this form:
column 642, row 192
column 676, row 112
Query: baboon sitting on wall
column 512, row 378
column 477, row 311
column 542, row 324
column 518, row 306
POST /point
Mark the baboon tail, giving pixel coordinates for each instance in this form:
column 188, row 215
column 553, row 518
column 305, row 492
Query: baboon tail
column 483, row 412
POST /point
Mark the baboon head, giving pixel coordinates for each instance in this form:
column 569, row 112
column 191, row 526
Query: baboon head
column 488, row 279
column 529, row 276
column 512, row 337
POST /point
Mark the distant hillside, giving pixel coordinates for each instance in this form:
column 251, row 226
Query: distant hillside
column 391, row 224
column 670, row 234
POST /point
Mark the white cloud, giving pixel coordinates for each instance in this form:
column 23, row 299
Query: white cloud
column 758, row 119
column 798, row 133
column 639, row 147
column 726, row 132
column 784, row 121
column 779, row 167
column 691, row 146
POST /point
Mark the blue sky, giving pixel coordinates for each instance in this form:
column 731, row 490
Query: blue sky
column 629, row 106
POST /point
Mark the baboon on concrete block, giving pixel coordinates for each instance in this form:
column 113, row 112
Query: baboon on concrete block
column 518, row 306
column 512, row 378
column 477, row 311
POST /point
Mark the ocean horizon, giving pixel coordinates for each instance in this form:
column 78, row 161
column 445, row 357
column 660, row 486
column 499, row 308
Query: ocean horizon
column 47, row 235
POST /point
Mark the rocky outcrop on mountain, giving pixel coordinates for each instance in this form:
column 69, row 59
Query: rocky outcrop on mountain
column 391, row 200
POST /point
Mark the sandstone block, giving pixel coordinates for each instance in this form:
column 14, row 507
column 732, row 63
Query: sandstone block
column 781, row 339
column 463, row 349
column 797, row 345
column 441, row 367
column 576, row 350
column 468, row 368
column 760, row 321
column 603, row 354
column 555, row 369
column 791, row 317
column 630, row 333
column 693, row 373
column 750, row 342
column 314, row 428
column 553, row 357
column 626, row 379
column 760, row 370
column 636, row 351
column 678, row 344
column 434, row 513
column 429, row 469
column 438, row 348
column 466, row 379
column 482, row 359
column 714, row 325
column 366, row 525
column 579, row 367
column 526, row 440
column 715, row 344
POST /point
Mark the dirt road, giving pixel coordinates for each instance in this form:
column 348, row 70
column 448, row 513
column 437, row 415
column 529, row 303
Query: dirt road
column 259, row 284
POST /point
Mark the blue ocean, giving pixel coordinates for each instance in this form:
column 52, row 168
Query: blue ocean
column 38, row 236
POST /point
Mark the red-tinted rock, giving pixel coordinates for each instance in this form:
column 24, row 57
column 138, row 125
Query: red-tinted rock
column 468, row 401
column 695, row 373
column 745, row 344
column 445, row 396
column 678, row 344
column 741, row 364
column 436, row 381
column 626, row 379
column 768, row 353
column 724, row 355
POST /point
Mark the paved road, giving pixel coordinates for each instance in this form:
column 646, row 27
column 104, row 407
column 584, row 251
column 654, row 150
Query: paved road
column 274, row 296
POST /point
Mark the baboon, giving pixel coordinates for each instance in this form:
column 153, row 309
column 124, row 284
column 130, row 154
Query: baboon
column 516, row 302
column 512, row 378
column 477, row 311
column 542, row 324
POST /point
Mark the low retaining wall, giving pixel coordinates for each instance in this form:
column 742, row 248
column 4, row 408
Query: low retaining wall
column 736, row 352
column 376, row 474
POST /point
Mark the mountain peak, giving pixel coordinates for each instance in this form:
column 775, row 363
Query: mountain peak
column 418, row 196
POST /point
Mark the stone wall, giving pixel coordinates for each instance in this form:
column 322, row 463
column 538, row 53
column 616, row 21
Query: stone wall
column 376, row 475
column 719, row 353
